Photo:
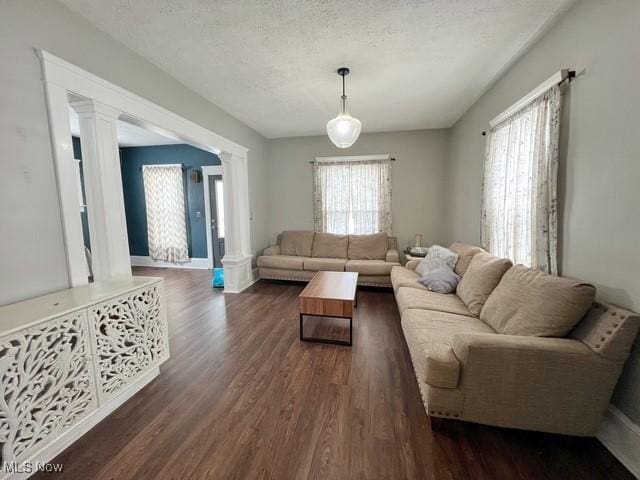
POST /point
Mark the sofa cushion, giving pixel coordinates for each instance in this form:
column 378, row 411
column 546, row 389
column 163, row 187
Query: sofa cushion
column 533, row 303
column 408, row 297
column 283, row 262
column 296, row 242
column 465, row 254
column 483, row 275
column 368, row 247
column 325, row 264
column 329, row 245
column 403, row 277
column 369, row 267
column 426, row 331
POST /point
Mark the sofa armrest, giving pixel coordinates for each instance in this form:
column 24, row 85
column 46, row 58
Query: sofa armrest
column 272, row 250
column 393, row 256
column 540, row 383
column 412, row 264
column 443, row 368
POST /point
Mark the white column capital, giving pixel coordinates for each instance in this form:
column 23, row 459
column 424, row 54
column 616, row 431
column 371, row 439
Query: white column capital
column 227, row 157
column 92, row 107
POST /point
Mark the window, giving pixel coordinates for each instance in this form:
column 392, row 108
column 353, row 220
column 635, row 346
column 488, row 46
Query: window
column 166, row 217
column 519, row 211
column 352, row 195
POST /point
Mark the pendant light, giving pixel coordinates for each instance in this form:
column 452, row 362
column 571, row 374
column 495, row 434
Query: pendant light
column 343, row 130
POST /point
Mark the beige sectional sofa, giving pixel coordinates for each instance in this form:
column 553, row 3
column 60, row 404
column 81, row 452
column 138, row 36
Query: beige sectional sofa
column 504, row 351
column 298, row 255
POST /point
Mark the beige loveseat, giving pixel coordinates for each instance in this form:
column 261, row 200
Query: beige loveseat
column 298, row 255
column 543, row 374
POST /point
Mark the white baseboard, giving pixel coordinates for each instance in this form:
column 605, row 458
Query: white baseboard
column 138, row 261
column 622, row 438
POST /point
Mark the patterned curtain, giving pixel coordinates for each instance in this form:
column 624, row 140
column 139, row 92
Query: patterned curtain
column 352, row 197
column 166, row 219
column 519, row 206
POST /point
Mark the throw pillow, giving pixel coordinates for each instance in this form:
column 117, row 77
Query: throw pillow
column 441, row 280
column 437, row 257
column 296, row 242
column 533, row 303
column 483, row 275
column 329, row 245
column 368, row 247
column 465, row 255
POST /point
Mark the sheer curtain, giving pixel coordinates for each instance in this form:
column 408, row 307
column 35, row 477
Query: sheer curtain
column 352, row 197
column 519, row 208
column 166, row 218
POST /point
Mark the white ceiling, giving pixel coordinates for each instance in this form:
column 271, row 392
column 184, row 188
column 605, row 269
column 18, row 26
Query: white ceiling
column 128, row 135
column 415, row 64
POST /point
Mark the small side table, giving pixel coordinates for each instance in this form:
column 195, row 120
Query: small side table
column 411, row 257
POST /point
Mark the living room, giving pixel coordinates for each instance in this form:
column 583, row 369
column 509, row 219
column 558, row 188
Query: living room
column 516, row 372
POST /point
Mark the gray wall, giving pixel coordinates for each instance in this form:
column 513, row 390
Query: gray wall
column 418, row 180
column 600, row 155
column 32, row 259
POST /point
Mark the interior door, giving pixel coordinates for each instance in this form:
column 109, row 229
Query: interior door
column 216, row 203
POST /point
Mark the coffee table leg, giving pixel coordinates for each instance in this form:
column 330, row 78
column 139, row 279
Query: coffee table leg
column 301, row 328
column 326, row 340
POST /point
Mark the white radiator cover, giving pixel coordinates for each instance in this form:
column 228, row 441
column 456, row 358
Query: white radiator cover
column 70, row 358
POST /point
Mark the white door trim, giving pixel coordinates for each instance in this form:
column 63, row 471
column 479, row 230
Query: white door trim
column 62, row 78
column 206, row 171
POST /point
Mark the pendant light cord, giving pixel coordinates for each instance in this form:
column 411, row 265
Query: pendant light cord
column 344, row 97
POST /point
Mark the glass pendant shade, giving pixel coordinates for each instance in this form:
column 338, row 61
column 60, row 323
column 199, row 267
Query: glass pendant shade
column 344, row 130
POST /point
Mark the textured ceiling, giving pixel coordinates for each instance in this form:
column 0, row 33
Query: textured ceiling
column 415, row 64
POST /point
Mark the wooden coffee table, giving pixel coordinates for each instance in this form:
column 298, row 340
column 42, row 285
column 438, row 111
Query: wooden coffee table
column 329, row 294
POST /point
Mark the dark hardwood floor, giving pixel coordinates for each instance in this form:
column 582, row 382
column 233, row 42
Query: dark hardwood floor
column 241, row 397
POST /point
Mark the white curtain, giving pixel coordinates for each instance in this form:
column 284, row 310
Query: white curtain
column 519, row 208
column 166, row 218
column 352, row 197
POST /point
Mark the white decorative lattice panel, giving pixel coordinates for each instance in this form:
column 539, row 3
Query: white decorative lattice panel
column 130, row 338
column 46, row 384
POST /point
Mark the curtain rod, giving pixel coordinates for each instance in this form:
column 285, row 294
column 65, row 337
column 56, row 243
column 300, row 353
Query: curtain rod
column 390, row 159
column 556, row 79
column 181, row 165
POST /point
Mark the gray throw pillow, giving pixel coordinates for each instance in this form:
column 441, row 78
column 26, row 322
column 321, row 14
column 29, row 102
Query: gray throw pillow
column 441, row 280
column 438, row 257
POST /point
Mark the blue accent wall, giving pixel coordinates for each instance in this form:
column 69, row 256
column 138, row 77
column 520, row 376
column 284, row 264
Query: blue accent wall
column 131, row 161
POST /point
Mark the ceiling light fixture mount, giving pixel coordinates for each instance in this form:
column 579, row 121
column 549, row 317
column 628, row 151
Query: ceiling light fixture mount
column 344, row 130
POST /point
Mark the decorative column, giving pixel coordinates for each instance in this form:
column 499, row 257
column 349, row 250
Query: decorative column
column 238, row 273
column 58, row 109
column 103, row 186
